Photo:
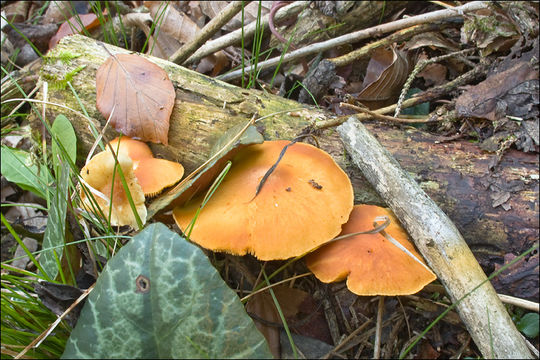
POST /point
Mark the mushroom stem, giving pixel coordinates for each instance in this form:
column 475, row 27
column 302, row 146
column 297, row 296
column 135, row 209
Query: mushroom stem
column 378, row 328
column 440, row 243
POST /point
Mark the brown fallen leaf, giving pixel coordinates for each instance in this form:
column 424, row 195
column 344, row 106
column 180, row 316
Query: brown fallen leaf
column 262, row 308
column 213, row 8
column 434, row 74
column 142, row 96
column 73, row 26
column 173, row 29
column 385, row 75
column 489, row 30
column 487, row 100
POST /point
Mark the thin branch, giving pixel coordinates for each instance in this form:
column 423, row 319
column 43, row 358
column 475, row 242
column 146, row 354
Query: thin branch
column 362, row 34
column 235, row 37
column 398, row 36
column 207, row 31
column 376, row 115
column 522, row 303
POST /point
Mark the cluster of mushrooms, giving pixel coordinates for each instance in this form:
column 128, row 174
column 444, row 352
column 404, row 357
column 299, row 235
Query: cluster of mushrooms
column 302, row 203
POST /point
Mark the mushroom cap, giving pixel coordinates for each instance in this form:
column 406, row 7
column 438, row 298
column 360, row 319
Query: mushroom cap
column 302, row 204
column 371, row 263
column 135, row 149
column 98, row 173
column 153, row 174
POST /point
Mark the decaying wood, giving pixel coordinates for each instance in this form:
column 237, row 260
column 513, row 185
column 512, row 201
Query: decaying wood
column 456, row 174
column 440, row 243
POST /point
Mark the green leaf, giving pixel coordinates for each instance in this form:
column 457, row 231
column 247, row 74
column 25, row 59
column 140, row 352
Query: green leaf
column 420, row 109
column 56, row 224
column 159, row 297
column 528, row 325
column 182, row 192
column 64, row 133
column 17, row 167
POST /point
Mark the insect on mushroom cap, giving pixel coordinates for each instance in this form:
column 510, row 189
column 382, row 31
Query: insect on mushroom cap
column 288, row 216
column 370, row 262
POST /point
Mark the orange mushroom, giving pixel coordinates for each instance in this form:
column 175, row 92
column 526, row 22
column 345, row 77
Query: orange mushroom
column 370, row 262
column 153, row 174
column 98, row 174
column 301, row 204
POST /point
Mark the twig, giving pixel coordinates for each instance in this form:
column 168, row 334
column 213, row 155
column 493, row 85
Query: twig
column 274, row 284
column 522, row 303
column 419, row 67
column 378, row 328
column 207, row 31
column 383, row 117
column 347, row 339
column 362, row 34
column 398, row 36
column 235, row 37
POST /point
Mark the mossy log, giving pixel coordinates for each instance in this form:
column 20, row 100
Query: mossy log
column 455, row 175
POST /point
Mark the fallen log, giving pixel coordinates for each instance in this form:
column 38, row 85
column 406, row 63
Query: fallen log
column 453, row 175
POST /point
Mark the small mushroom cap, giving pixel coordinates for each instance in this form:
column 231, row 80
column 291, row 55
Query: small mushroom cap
column 371, row 263
column 98, row 173
column 302, row 204
column 153, row 174
column 135, row 149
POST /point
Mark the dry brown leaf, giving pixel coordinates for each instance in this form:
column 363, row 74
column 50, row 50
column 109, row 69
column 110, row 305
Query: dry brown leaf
column 58, row 11
column 490, row 31
column 173, row 29
column 262, row 307
column 73, row 26
column 142, row 96
column 431, row 39
column 386, row 73
column 16, row 11
column 434, row 74
column 487, row 99
column 213, row 8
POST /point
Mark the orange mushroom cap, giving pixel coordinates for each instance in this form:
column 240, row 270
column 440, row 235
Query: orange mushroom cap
column 302, row 204
column 98, row 173
column 135, row 149
column 153, row 174
column 370, row 262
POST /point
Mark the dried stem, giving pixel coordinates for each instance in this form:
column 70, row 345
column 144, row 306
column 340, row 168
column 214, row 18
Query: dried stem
column 378, row 329
column 207, row 31
column 235, row 37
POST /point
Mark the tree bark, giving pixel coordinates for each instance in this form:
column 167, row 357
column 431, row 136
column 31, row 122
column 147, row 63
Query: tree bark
column 454, row 174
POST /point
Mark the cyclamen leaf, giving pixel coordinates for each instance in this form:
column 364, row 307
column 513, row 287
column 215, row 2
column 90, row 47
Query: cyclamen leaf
column 18, row 168
column 159, row 297
column 140, row 93
column 65, row 134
